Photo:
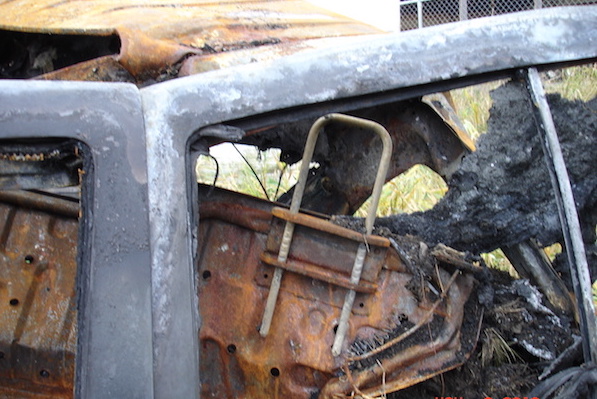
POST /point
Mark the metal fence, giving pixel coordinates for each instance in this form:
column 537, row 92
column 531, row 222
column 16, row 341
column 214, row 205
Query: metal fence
column 420, row 13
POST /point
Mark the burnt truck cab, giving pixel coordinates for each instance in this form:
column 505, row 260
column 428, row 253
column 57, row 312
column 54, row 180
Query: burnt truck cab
column 141, row 283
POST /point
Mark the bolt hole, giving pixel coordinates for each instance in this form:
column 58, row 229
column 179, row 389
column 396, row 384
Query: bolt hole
column 335, row 329
column 275, row 372
column 361, row 305
column 206, row 275
column 265, row 275
column 29, row 259
column 14, row 302
column 44, row 373
column 231, row 348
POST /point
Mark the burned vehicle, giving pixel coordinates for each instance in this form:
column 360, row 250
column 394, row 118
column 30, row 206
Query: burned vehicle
column 123, row 277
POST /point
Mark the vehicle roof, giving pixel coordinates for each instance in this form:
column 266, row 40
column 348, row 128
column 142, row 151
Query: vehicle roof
column 155, row 35
column 190, row 23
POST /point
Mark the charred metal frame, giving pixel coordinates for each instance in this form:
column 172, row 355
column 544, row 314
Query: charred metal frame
column 575, row 249
column 114, row 355
column 138, row 308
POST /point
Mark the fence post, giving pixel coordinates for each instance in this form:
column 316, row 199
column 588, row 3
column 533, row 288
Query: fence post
column 399, row 16
column 462, row 10
column 538, row 4
column 420, row 13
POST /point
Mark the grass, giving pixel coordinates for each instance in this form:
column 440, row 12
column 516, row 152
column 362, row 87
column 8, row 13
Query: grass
column 577, row 83
column 495, row 350
column 472, row 106
column 418, row 189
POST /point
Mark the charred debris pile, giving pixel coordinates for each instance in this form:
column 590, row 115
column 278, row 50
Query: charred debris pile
column 501, row 196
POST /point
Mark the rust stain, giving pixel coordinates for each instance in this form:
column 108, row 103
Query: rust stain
column 37, row 297
column 443, row 105
column 325, row 251
column 144, row 56
column 102, row 69
column 234, row 273
column 319, row 273
column 214, row 60
column 323, row 225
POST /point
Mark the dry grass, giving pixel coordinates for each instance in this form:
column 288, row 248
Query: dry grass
column 495, row 350
column 577, row 83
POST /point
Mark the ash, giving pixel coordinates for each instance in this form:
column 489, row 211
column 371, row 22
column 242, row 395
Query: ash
column 531, row 331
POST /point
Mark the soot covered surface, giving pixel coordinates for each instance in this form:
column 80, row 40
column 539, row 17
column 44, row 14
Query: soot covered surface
column 502, row 194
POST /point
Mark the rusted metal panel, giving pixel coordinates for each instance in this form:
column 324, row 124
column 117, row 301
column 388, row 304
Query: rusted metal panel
column 431, row 60
column 41, row 202
column 101, row 69
column 25, row 166
column 295, row 358
column 192, row 23
column 324, row 251
column 117, row 273
column 38, row 312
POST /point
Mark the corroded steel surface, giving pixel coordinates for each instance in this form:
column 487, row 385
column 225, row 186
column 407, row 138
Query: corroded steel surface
column 115, row 338
column 295, row 358
column 173, row 114
column 324, row 253
column 38, row 314
column 155, row 36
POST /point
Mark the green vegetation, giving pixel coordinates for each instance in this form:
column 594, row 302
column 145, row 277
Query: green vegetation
column 472, row 106
column 418, row 189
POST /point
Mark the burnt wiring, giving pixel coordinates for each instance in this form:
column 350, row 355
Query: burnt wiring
column 280, row 180
column 213, row 184
column 252, row 171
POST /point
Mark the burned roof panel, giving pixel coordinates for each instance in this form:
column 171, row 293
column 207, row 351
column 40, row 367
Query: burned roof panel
column 182, row 21
column 157, row 36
